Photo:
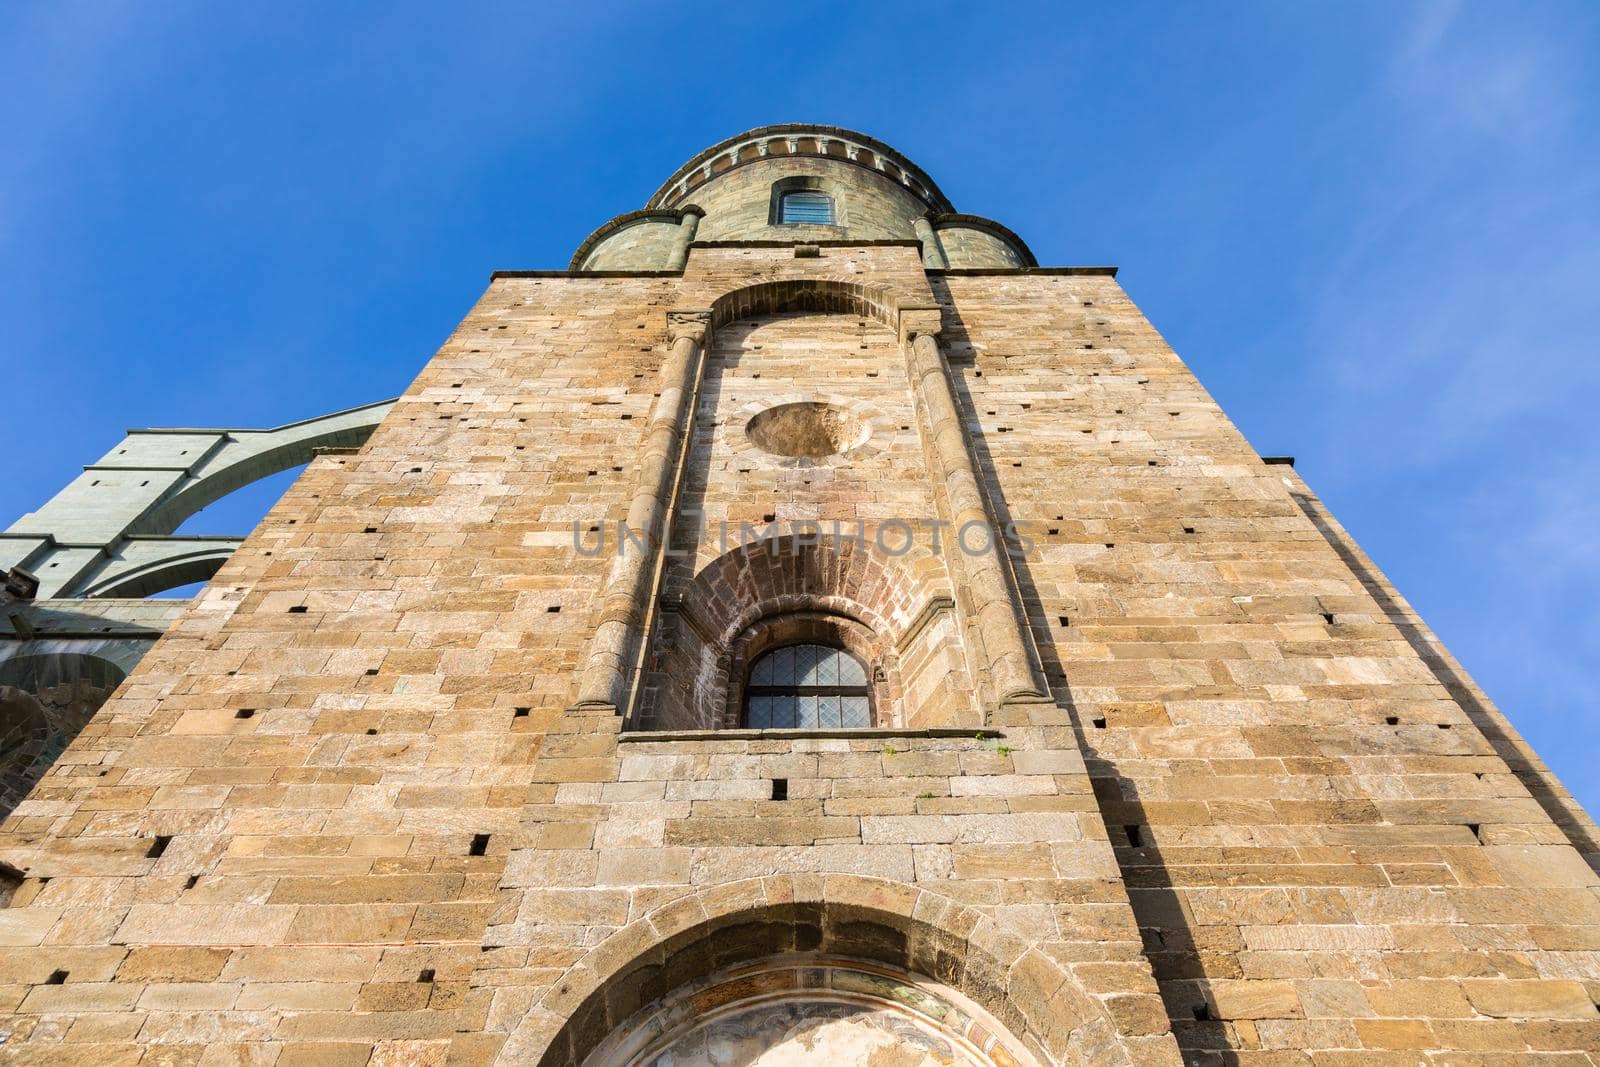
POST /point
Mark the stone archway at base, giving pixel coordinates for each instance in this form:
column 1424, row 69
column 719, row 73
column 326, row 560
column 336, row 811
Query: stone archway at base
column 931, row 939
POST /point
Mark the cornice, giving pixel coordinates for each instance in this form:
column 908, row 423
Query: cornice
column 584, row 274
column 979, row 272
column 834, row 242
column 800, row 140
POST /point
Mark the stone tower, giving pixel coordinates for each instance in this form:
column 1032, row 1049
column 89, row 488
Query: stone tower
column 803, row 630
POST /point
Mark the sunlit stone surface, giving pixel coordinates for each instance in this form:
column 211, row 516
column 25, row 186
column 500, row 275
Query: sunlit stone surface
column 787, row 1014
column 789, row 1033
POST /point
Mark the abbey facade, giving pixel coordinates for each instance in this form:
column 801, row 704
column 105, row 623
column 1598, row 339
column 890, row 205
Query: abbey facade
column 803, row 630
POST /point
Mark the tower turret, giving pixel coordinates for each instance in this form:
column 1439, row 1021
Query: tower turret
column 801, row 184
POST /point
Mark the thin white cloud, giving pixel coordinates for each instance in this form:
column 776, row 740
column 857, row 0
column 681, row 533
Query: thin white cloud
column 1458, row 337
column 1461, row 305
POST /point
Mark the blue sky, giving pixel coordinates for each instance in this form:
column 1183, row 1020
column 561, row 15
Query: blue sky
column 1373, row 229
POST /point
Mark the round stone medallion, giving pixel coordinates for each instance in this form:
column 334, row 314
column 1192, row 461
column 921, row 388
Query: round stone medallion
column 807, row 430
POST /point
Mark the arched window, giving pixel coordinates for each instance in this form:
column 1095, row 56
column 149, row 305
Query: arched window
column 805, row 206
column 807, row 687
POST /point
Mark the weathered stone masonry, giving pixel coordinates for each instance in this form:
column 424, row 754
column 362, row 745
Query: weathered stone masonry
column 413, row 780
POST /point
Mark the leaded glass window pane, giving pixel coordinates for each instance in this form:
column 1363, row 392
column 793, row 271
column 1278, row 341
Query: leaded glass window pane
column 783, row 667
column 805, row 664
column 808, row 687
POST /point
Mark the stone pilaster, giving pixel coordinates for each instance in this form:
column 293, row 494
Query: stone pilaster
column 933, row 257
column 681, row 240
column 978, row 566
column 625, row 598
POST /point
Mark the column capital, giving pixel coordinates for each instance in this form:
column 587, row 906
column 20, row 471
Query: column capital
column 692, row 324
column 918, row 320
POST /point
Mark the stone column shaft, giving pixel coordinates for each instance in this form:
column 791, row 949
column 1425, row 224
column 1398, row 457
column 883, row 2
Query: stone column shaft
column 933, row 257
column 687, row 227
column 1010, row 666
column 624, row 600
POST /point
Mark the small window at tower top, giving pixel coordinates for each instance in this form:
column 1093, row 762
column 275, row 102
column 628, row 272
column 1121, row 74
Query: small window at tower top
column 807, row 687
column 806, row 206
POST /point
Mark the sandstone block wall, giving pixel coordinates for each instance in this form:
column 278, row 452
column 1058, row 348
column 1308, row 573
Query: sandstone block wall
column 1325, row 846
column 343, row 812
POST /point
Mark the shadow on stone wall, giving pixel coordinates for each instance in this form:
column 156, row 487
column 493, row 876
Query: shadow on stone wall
column 35, row 728
column 60, row 660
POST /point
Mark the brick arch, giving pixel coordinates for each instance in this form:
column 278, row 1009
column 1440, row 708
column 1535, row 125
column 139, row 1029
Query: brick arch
column 814, row 569
column 902, row 601
column 813, row 295
column 913, row 929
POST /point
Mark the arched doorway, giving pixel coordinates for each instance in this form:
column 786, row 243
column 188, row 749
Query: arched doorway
column 826, row 953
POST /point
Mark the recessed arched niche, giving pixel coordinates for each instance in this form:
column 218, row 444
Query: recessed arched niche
column 806, row 517
column 892, row 612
